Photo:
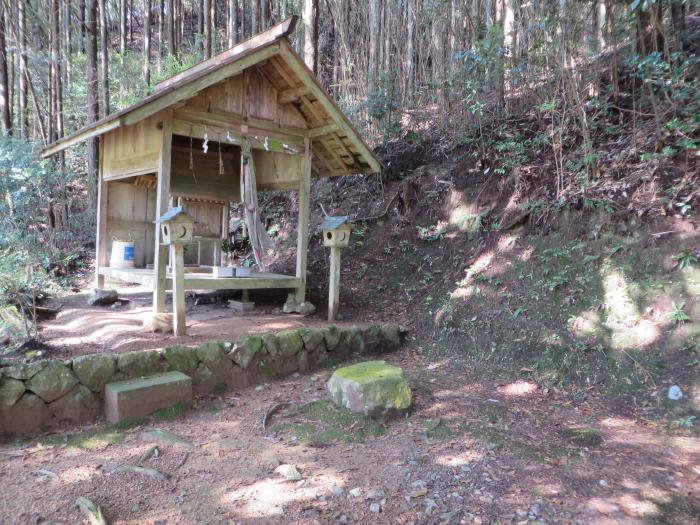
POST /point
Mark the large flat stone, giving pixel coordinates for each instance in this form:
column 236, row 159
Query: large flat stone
column 373, row 388
column 141, row 397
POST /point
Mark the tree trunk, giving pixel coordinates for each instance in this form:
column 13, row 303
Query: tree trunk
column 93, row 113
column 310, row 16
column 147, row 42
column 81, row 23
column 373, row 46
column 22, row 95
column 122, row 26
column 244, row 33
column 104, row 50
column 170, row 23
column 57, row 83
column 255, row 17
column 678, row 25
column 5, row 101
column 233, row 22
column 410, row 65
column 207, row 28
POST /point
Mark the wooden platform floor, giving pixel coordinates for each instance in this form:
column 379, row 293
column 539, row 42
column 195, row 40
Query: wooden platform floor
column 203, row 281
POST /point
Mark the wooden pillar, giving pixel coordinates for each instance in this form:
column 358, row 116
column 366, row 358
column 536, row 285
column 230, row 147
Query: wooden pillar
column 178, row 261
column 303, row 226
column 162, row 197
column 334, row 284
column 101, row 242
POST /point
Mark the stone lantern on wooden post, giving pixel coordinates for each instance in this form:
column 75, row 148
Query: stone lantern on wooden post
column 336, row 235
column 177, row 229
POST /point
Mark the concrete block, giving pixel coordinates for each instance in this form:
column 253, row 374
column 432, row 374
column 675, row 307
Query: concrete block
column 141, row 397
column 241, row 306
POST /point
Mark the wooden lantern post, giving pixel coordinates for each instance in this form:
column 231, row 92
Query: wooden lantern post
column 336, row 235
column 176, row 228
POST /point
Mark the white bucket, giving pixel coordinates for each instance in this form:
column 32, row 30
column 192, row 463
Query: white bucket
column 122, row 254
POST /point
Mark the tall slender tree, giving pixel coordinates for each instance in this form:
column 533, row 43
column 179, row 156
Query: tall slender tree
column 104, row 52
column 147, row 42
column 310, row 16
column 93, row 106
column 5, row 100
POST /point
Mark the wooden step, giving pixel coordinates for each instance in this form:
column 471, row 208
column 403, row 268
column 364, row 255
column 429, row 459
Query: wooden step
column 135, row 398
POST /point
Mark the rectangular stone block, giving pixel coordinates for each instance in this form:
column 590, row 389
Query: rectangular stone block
column 141, row 397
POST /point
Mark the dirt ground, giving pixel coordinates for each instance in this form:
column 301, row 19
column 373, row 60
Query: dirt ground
column 81, row 329
column 470, row 452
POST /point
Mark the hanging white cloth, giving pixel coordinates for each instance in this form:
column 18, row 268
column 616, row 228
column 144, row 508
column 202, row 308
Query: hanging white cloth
column 260, row 242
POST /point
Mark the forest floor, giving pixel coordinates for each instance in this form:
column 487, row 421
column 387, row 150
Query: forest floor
column 472, row 451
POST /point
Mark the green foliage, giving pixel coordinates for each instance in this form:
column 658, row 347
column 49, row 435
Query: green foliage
column 685, row 258
column 677, row 315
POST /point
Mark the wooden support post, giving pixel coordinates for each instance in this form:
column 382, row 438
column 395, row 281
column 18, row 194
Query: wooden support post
column 303, row 226
column 178, row 262
column 334, row 284
column 101, row 243
column 162, row 197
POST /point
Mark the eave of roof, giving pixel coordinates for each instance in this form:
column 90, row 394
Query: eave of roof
column 263, row 46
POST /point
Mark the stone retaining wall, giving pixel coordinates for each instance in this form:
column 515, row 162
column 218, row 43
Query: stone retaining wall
column 48, row 394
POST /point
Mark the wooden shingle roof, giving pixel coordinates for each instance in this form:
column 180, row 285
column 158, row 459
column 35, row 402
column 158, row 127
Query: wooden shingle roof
column 337, row 146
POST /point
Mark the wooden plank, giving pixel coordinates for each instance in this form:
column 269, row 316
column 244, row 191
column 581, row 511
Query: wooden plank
column 334, row 284
column 255, row 125
column 190, row 89
column 188, row 128
column 322, row 130
column 299, row 68
column 131, row 166
column 291, row 95
column 178, row 283
column 261, row 39
column 162, row 198
column 303, row 224
column 76, row 138
column 101, row 240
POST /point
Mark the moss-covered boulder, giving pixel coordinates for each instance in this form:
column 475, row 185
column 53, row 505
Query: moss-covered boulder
column 181, row 358
column 372, row 339
column 270, row 344
column 95, row 370
column 313, row 340
column 392, row 336
column 290, row 343
column 78, row 405
column 52, row 382
column 373, row 388
column 10, row 391
column 351, row 342
column 212, row 354
column 24, row 372
column 331, row 336
column 245, row 349
column 139, row 363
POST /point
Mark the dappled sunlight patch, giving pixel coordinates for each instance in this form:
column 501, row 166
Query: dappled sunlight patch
column 637, row 506
column 507, row 242
column 459, row 459
column 79, row 473
column 585, row 324
column 519, row 388
column 267, row 497
column 605, row 506
column 526, row 254
column 464, row 289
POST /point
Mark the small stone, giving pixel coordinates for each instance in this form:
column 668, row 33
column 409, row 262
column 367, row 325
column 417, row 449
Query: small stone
column 102, row 297
column 355, row 492
column 336, row 491
column 376, row 494
column 52, row 382
column 290, row 472
column 603, row 483
column 675, row 393
column 374, row 507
